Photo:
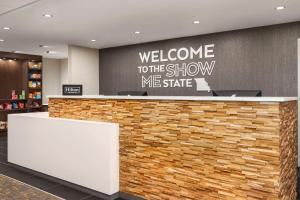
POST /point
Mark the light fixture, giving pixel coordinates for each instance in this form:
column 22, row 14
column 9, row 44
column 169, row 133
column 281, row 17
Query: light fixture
column 93, row 40
column 1, row 40
column 50, row 52
column 6, row 28
column 137, row 32
column 196, row 22
column 47, row 15
column 43, row 46
column 280, row 7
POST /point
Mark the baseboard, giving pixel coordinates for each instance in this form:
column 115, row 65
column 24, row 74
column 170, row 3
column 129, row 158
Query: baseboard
column 68, row 184
column 129, row 196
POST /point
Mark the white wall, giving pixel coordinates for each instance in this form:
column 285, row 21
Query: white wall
column 64, row 72
column 51, row 78
column 83, row 68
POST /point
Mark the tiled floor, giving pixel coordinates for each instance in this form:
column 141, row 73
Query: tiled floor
column 44, row 184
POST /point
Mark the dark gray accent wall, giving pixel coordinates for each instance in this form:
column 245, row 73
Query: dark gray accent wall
column 263, row 58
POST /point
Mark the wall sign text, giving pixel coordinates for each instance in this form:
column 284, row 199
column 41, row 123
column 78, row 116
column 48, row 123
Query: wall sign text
column 185, row 67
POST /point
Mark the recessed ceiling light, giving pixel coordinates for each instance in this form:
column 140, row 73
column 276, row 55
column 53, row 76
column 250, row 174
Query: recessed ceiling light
column 1, row 40
column 196, row 22
column 137, row 32
column 43, row 46
column 48, row 15
column 50, row 52
column 6, row 28
column 280, row 7
column 93, row 40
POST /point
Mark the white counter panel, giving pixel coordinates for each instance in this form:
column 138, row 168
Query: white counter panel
column 81, row 152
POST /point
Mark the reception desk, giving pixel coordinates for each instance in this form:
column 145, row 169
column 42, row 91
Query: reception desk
column 198, row 147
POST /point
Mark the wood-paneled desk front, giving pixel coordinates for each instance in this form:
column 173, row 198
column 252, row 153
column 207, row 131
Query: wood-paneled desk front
column 198, row 147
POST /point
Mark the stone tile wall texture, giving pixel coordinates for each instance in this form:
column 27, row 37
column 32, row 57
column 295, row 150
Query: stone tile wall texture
column 198, row 149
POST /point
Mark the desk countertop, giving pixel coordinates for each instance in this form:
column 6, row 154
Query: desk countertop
column 180, row 98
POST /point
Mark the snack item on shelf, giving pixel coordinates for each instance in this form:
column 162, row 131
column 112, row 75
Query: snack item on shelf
column 35, row 95
column 35, row 76
column 36, row 104
column 21, row 105
column 30, row 84
column 38, row 95
column 15, row 105
column 14, row 95
column 7, row 106
column 3, row 125
column 35, row 66
column 30, row 95
column 34, row 84
column 1, row 106
column 22, row 95
column 33, row 104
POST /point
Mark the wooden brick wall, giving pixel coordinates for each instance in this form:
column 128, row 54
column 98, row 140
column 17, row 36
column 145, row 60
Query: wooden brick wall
column 198, row 149
column 288, row 151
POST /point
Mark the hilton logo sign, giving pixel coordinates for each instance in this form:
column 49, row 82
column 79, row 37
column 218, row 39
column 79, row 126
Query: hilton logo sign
column 181, row 70
column 72, row 90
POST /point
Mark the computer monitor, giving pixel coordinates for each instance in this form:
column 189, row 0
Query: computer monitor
column 238, row 93
column 133, row 93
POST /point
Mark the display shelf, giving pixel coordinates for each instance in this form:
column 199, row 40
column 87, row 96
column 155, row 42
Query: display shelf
column 16, row 77
column 34, row 79
column 39, row 107
column 33, row 92
column 34, row 99
column 34, row 68
column 37, row 70
column 13, row 100
column 3, row 130
column 13, row 110
column 22, row 110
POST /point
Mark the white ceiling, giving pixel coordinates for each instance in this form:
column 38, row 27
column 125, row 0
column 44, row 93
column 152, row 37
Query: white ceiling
column 10, row 5
column 113, row 22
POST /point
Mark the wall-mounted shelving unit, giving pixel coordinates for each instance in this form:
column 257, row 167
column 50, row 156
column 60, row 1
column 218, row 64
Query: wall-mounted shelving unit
column 19, row 72
column 35, row 81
